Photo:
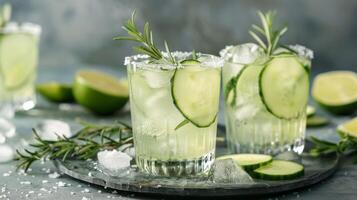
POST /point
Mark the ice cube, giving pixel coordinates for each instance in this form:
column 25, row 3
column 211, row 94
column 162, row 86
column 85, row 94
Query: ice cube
column 303, row 51
column 114, row 160
column 52, row 129
column 158, row 79
column 245, row 53
column 288, row 155
column 227, row 171
column 6, row 153
column 7, row 129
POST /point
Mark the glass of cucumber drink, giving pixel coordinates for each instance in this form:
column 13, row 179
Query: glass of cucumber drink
column 18, row 61
column 266, row 89
column 174, row 99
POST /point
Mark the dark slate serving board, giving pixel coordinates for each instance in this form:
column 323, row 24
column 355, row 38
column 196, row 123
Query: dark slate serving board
column 316, row 170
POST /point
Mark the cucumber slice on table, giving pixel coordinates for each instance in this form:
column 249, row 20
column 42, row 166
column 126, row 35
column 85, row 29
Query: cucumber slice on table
column 284, row 87
column 316, row 121
column 195, row 92
column 279, row 170
column 249, row 161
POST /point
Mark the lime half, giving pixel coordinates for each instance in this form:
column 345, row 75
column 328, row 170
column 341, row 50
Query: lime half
column 336, row 91
column 349, row 128
column 56, row 92
column 99, row 92
column 18, row 61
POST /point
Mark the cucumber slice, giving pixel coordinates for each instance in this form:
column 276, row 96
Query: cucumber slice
column 310, row 111
column 195, row 92
column 316, row 121
column 284, row 87
column 249, row 162
column 279, row 170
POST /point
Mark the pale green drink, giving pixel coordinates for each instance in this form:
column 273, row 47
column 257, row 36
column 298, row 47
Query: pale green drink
column 174, row 114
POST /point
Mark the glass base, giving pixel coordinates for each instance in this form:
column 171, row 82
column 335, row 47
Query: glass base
column 25, row 104
column 273, row 148
column 176, row 168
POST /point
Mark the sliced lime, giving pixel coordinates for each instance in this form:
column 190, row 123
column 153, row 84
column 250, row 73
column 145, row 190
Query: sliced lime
column 336, row 91
column 349, row 128
column 56, row 92
column 316, row 121
column 18, row 61
column 99, row 92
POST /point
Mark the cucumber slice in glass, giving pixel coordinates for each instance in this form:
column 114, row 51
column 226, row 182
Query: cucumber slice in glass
column 195, row 92
column 249, row 161
column 230, row 93
column 279, row 170
column 284, row 87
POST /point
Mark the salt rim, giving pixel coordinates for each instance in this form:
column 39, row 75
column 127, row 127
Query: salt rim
column 14, row 27
column 301, row 51
column 142, row 61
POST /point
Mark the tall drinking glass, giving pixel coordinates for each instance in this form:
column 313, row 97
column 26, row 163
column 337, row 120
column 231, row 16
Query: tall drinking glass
column 174, row 113
column 265, row 98
column 18, row 62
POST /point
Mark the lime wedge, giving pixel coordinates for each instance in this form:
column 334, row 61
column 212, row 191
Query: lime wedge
column 101, row 93
column 349, row 128
column 316, row 121
column 56, row 92
column 18, row 61
column 336, row 91
column 310, row 111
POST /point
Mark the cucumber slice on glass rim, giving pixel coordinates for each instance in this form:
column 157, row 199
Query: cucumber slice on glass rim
column 284, row 87
column 279, row 170
column 248, row 161
column 189, row 88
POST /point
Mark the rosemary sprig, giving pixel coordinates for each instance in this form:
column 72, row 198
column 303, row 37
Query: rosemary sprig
column 271, row 37
column 85, row 144
column 347, row 144
column 146, row 39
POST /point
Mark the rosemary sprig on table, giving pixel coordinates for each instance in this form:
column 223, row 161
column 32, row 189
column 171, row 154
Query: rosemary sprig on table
column 146, row 39
column 85, row 144
column 271, row 36
column 347, row 144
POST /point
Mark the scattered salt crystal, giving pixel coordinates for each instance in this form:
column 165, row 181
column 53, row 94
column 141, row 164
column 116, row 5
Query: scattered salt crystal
column 99, row 191
column 79, row 186
column 7, row 153
column 7, row 129
column 54, row 175
column 114, row 160
column 31, row 192
column 6, row 174
column 85, row 198
column 86, row 190
column 90, row 174
column 52, row 129
column 114, row 192
column 73, row 193
column 44, row 181
column 39, row 194
column 61, row 184
column 25, row 182
column 43, row 189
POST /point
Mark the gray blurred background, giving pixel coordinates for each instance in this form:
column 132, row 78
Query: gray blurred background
column 81, row 31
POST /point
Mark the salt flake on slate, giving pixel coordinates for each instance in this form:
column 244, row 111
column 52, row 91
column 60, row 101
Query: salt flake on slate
column 7, row 153
column 114, row 160
column 52, row 129
column 54, row 175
